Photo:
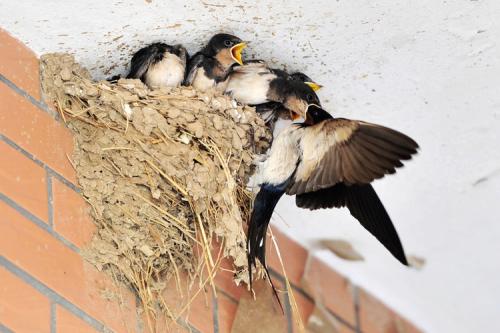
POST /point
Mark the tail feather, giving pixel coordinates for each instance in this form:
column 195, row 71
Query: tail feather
column 365, row 205
column 263, row 208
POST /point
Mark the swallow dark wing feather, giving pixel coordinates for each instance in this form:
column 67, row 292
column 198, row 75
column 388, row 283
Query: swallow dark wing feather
column 330, row 163
column 364, row 205
column 144, row 58
column 194, row 63
column 349, row 151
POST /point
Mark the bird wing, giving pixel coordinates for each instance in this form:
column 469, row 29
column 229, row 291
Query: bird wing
column 193, row 64
column 363, row 204
column 350, row 151
column 144, row 58
column 256, row 67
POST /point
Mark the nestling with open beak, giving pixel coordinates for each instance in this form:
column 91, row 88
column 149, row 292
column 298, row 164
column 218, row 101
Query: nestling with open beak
column 210, row 67
column 272, row 112
column 329, row 162
column 159, row 65
column 255, row 83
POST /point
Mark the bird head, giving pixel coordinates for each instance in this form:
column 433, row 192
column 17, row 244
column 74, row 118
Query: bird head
column 315, row 114
column 297, row 97
column 226, row 49
column 299, row 76
column 180, row 51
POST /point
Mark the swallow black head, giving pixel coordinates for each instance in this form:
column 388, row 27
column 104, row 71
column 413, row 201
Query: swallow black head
column 297, row 96
column 315, row 114
column 225, row 48
column 299, row 76
column 179, row 51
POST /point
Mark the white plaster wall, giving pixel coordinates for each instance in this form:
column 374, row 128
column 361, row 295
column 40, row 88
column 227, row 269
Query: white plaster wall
column 430, row 68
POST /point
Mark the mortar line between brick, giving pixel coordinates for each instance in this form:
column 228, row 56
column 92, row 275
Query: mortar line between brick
column 215, row 313
column 39, row 104
column 51, row 294
column 50, row 196
column 53, row 319
column 288, row 311
column 355, row 291
column 5, row 329
column 40, row 163
column 37, row 222
column 277, row 275
column 221, row 291
column 187, row 326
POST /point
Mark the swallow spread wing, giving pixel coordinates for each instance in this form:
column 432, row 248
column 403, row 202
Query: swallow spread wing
column 329, row 163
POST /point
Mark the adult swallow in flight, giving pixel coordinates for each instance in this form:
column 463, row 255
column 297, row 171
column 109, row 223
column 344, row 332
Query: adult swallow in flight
column 159, row 65
column 330, row 162
column 210, row 66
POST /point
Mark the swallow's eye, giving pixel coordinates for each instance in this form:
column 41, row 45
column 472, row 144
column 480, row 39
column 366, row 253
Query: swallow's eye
column 310, row 97
column 227, row 42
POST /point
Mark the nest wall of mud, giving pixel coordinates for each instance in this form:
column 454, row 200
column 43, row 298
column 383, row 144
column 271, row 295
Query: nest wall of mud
column 163, row 170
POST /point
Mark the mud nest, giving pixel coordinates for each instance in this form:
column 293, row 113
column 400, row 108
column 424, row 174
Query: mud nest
column 165, row 172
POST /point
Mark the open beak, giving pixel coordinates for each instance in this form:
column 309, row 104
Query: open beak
column 307, row 118
column 314, row 86
column 236, row 52
column 294, row 115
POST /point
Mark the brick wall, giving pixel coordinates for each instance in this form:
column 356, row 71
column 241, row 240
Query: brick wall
column 45, row 286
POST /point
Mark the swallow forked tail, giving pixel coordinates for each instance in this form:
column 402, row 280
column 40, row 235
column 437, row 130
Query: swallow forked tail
column 364, row 204
column 263, row 208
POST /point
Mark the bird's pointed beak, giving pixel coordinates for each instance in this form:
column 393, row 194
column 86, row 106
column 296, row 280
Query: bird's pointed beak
column 236, row 52
column 314, row 86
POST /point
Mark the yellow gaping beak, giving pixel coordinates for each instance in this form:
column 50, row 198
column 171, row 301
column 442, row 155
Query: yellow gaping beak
column 236, row 52
column 314, row 86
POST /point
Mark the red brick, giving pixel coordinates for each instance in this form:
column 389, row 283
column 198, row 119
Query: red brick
column 36, row 131
column 184, row 302
column 69, row 323
column 200, row 313
column 224, row 280
column 376, row 317
column 19, row 64
column 61, row 269
column 227, row 311
column 305, row 308
column 331, row 289
column 293, row 255
column 323, row 322
column 71, row 215
column 161, row 323
column 189, row 303
column 261, row 315
column 23, row 181
column 20, row 301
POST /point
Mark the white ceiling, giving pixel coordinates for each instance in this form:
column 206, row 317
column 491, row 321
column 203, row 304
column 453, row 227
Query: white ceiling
column 428, row 68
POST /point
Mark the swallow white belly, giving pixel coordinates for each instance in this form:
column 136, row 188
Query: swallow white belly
column 249, row 87
column 282, row 157
column 201, row 82
column 169, row 72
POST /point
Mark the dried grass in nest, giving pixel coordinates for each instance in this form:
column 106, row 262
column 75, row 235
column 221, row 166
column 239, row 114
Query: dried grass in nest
column 163, row 170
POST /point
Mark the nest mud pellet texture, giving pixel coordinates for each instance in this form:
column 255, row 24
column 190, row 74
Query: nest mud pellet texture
column 165, row 172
